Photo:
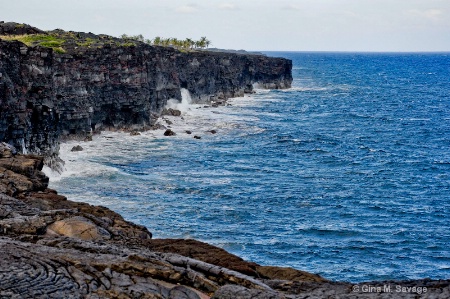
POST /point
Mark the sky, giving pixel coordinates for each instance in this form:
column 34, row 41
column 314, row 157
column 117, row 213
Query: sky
column 276, row 25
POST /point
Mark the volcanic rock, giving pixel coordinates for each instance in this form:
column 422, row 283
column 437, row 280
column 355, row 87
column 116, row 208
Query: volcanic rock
column 172, row 112
column 169, row 132
column 291, row 274
column 12, row 28
column 76, row 148
column 78, row 227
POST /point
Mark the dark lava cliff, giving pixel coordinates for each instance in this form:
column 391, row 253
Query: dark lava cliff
column 102, row 82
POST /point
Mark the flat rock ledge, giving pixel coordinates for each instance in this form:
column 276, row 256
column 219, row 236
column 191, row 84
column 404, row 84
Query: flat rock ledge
column 52, row 247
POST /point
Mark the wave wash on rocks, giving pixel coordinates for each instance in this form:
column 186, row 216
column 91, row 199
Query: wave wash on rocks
column 48, row 95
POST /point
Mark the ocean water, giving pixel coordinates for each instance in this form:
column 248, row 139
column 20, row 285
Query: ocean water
column 346, row 174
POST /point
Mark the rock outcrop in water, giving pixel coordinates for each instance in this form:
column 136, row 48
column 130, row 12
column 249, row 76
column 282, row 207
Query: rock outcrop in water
column 56, row 248
column 94, row 82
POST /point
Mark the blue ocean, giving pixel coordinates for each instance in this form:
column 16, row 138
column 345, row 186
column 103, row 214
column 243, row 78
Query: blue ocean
column 346, row 174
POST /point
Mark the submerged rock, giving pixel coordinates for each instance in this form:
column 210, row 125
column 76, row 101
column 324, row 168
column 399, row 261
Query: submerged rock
column 197, row 137
column 188, row 132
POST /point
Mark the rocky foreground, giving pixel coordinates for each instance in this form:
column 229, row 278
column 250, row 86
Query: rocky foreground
column 52, row 247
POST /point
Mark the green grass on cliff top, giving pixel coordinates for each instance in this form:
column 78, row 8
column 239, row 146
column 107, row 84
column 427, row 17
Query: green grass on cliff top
column 61, row 41
column 44, row 40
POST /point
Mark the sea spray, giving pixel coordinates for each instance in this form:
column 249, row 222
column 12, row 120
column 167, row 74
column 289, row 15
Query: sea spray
column 24, row 148
column 186, row 101
column 99, row 156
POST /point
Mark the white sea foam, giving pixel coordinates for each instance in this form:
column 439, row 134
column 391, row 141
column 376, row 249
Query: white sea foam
column 24, row 148
column 186, row 101
column 99, row 156
column 199, row 118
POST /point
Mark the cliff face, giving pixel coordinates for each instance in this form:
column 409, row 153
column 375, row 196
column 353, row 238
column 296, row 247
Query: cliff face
column 45, row 95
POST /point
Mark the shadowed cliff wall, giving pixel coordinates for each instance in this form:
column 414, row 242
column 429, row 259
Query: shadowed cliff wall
column 46, row 96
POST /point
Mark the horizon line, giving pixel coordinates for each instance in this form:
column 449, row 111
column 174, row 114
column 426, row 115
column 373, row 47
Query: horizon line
column 356, row 51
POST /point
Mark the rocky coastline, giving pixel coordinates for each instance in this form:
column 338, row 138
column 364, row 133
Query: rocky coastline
column 53, row 247
column 72, row 84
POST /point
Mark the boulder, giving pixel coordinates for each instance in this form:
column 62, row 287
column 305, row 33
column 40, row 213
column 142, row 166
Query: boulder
column 176, row 112
column 80, row 228
column 188, row 132
column 172, row 112
column 12, row 182
column 7, row 150
column 169, row 132
column 197, row 137
column 77, row 148
column 22, row 173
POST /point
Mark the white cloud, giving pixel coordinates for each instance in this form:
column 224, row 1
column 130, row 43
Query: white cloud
column 227, row 6
column 429, row 14
column 291, row 7
column 190, row 8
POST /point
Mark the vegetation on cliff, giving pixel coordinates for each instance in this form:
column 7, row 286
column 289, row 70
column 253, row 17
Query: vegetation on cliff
column 60, row 41
column 181, row 44
column 44, row 40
